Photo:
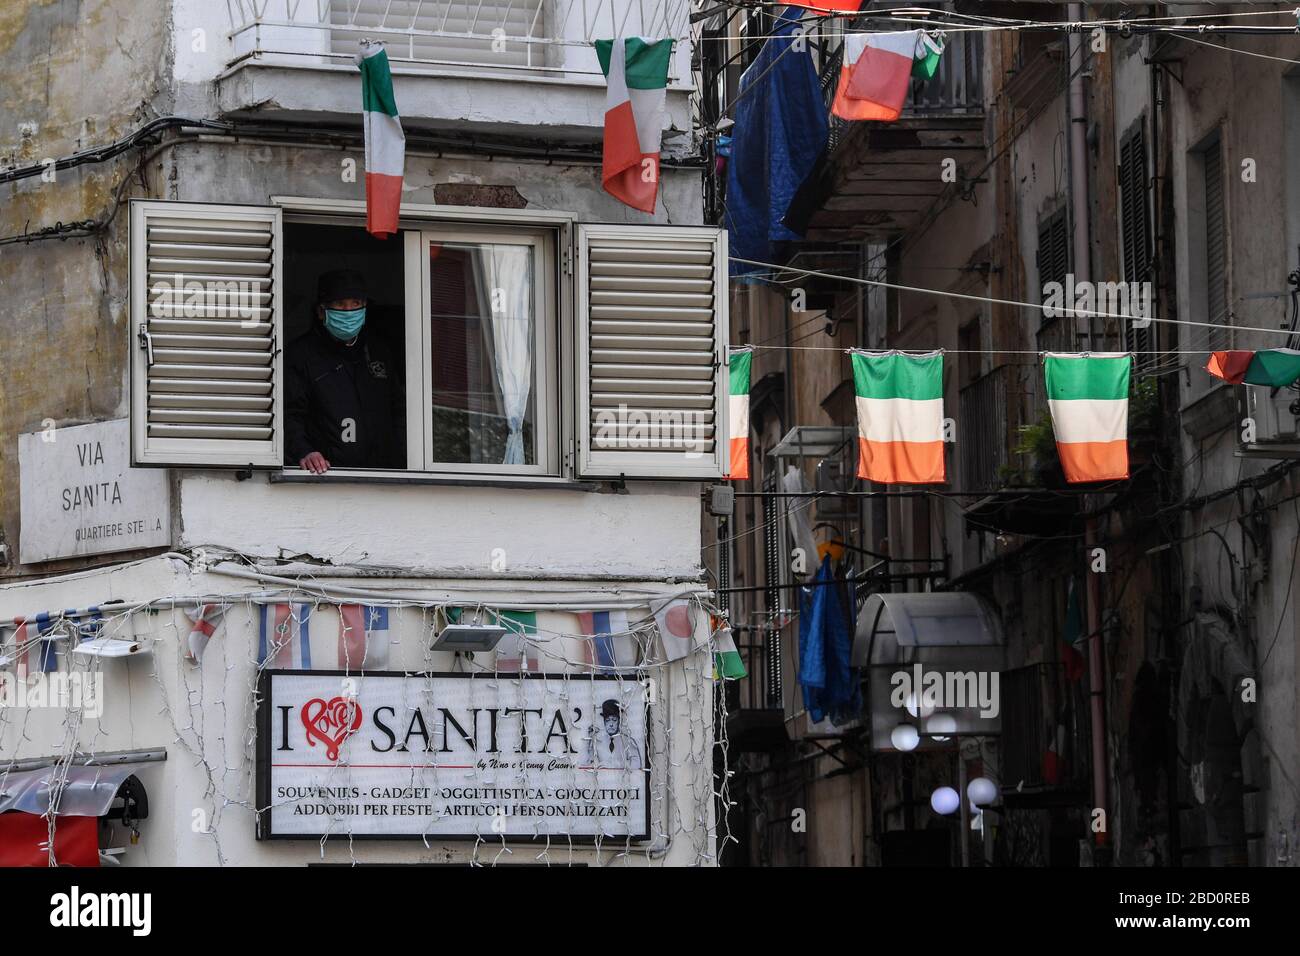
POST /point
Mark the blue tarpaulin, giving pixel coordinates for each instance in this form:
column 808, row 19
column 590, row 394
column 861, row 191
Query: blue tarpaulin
column 780, row 133
column 829, row 680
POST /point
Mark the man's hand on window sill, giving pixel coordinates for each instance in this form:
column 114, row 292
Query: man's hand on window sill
column 314, row 462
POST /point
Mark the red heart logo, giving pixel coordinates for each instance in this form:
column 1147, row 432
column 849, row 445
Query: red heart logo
column 331, row 723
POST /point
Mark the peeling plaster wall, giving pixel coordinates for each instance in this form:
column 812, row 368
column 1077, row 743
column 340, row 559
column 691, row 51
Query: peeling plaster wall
column 1246, row 99
column 73, row 74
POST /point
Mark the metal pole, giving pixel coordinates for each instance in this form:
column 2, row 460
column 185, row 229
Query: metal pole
column 1096, row 687
column 1079, row 162
column 965, row 807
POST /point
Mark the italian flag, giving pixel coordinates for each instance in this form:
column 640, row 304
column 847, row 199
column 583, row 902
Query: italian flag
column 1273, row 367
column 900, row 416
column 738, row 365
column 385, row 141
column 875, row 74
column 827, row 7
column 727, row 662
column 636, row 76
column 1088, row 398
column 929, row 50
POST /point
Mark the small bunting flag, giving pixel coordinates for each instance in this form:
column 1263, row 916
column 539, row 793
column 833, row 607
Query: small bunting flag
column 738, row 366
column 1273, row 367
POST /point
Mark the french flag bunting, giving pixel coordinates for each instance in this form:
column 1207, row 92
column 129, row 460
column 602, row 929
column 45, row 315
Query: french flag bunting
column 363, row 637
column 28, row 640
column 205, row 619
column 611, row 645
column 284, row 640
column 91, row 626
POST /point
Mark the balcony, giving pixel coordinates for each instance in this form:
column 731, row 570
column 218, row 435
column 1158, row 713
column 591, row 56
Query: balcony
column 986, row 422
column 880, row 179
column 755, row 704
column 1046, row 742
column 454, row 61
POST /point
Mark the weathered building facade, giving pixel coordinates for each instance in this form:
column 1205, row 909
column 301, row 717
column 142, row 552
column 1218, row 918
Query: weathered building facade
column 145, row 142
column 1145, row 636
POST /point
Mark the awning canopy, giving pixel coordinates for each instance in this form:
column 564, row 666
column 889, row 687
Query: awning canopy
column 889, row 624
column 932, row 661
column 82, row 792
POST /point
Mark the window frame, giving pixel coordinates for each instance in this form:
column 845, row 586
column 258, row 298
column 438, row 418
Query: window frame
column 469, row 223
column 547, row 369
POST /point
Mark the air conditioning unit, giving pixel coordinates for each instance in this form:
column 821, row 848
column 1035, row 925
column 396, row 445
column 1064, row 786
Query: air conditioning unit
column 1271, row 417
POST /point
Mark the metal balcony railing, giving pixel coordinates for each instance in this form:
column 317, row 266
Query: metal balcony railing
column 985, row 410
column 762, row 688
column 531, row 35
column 1045, row 731
column 957, row 89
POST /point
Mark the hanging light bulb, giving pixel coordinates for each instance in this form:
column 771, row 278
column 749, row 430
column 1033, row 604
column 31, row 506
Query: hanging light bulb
column 982, row 791
column 905, row 737
column 945, row 801
column 941, row 726
column 916, row 705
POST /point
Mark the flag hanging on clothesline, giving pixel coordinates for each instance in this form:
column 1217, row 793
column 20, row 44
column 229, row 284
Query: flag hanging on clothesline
column 828, row 7
column 385, row 141
column 205, row 618
column 363, row 637
column 676, row 629
column 636, row 78
column 30, row 648
column 900, row 416
column 284, row 638
column 738, row 366
column 1273, row 367
column 611, row 643
column 517, row 649
column 1087, row 394
column 877, row 71
column 727, row 662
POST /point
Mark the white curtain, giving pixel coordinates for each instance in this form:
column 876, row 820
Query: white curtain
column 504, row 280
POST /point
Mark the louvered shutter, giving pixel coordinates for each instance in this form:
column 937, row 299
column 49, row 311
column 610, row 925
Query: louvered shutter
column 1216, row 250
column 1135, row 230
column 652, row 332
column 205, row 334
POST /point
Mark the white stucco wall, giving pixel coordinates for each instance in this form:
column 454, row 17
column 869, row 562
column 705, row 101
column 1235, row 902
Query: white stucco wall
column 204, row 718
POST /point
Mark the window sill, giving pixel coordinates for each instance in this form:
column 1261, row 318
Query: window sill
column 298, row 476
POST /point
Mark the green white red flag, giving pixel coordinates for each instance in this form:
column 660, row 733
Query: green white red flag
column 1273, row 367
column 385, row 141
column 900, row 416
column 1088, row 397
column 739, row 365
column 876, row 72
column 636, row 77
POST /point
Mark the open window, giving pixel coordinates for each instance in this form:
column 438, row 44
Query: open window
column 519, row 345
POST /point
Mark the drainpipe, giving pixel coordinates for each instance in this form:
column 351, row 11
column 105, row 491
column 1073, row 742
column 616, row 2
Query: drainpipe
column 1096, row 691
column 1079, row 159
column 1079, row 210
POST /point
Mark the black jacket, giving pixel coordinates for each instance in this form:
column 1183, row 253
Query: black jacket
column 327, row 383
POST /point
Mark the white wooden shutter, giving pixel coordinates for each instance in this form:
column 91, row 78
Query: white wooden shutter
column 206, row 334
column 652, row 333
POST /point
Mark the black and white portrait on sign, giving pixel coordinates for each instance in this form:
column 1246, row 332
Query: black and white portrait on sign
column 608, row 748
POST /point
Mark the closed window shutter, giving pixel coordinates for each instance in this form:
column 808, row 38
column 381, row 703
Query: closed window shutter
column 1216, row 250
column 1135, row 229
column 652, row 332
column 206, row 334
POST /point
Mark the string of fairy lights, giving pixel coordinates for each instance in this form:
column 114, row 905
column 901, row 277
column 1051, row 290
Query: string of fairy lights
column 686, row 799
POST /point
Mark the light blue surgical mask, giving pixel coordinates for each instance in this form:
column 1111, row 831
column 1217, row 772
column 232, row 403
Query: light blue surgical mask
column 344, row 324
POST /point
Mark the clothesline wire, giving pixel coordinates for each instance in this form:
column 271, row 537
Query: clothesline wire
column 1037, row 306
column 840, row 348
